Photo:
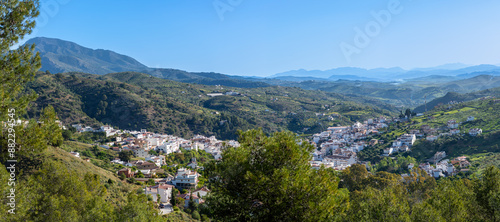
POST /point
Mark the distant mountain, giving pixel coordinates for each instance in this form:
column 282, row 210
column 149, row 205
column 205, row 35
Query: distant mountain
column 449, row 66
column 63, row 56
column 59, row 56
column 348, row 73
column 459, row 70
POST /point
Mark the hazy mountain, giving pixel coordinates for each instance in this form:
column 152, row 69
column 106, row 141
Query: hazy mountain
column 449, row 66
column 64, row 56
column 349, row 73
column 461, row 71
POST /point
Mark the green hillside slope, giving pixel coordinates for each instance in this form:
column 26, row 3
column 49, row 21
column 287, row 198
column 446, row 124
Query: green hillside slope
column 139, row 101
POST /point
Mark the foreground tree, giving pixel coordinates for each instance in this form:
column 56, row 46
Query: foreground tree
column 270, row 179
column 17, row 67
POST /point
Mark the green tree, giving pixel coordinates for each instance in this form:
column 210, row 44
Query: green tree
column 270, row 179
column 353, row 177
column 153, row 152
column 487, row 191
column 379, row 205
column 17, row 67
column 51, row 127
column 125, row 155
column 138, row 208
column 173, row 199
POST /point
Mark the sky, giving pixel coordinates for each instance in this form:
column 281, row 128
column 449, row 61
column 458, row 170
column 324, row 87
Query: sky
column 265, row 37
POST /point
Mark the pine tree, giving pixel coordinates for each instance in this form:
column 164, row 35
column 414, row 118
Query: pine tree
column 18, row 66
column 173, row 198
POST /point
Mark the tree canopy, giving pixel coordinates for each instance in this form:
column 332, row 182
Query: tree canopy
column 270, row 179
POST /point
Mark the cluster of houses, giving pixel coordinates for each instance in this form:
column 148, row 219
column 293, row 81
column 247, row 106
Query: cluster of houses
column 108, row 130
column 444, row 167
column 401, row 144
column 337, row 147
column 165, row 191
column 142, row 142
column 184, row 179
column 452, row 125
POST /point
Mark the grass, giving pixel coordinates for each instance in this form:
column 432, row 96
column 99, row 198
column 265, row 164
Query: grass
column 117, row 190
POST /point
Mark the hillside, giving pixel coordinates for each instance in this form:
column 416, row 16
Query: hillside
column 457, row 97
column 136, row 101
column 411, row 93
column 486, row 113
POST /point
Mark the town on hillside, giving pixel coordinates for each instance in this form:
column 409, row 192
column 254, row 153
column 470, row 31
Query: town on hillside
column 337, row 147
column 149, row 166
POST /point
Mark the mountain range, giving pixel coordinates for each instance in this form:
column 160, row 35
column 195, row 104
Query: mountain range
column 395, row 86
column 390, row 74
column 60, row 56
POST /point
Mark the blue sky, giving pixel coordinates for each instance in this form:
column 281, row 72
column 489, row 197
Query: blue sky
column 264, row 37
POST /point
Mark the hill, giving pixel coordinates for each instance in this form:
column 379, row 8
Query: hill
column 131, row 100
column 457, row 97
column 486, row 113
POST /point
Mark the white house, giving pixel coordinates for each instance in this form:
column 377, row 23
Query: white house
column 431, row 138
column 185, row 178
column 164, row 190
column 470, row 118
column 388, row 151
column 140, row 152
column 168, row 147
column 475, row 131
column 452, row 124
column 201, row 192
column 454, row 131
column 158, row 160
column 77, row 154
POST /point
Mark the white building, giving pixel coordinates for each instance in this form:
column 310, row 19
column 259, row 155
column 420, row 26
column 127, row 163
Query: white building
column 475, row 131
column 164, row 190
column 140, row 152
column 452, row 124
column 168, row 147
column 431, row 138
column 185, row 178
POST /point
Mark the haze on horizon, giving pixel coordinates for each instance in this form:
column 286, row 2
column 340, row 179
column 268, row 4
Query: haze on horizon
column 262, row 38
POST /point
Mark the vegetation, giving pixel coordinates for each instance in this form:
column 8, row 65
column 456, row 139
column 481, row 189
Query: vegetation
column 269, row 179
column 134, row 101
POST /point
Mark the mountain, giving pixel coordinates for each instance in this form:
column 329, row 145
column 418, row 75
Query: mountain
column 449, row 66
column 458, row 70
column 348, row 73
column 64, row 56
column 59, row 56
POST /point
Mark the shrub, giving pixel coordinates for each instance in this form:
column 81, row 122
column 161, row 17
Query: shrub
column 196, row 215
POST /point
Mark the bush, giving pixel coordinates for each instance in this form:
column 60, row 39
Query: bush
column 131, row 180
column 176, row 209
column 204, row 217
column 196, row 215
